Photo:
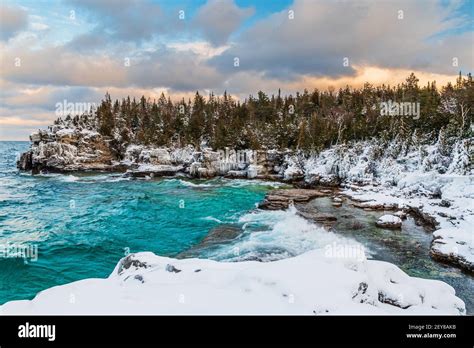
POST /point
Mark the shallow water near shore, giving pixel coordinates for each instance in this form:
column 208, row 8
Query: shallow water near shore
column 407, row 248
column 82, row 224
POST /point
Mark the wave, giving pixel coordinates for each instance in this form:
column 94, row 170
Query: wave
column 86, row 179
column 274, row 235
column 192, row 184
column 212, row 218
column 70, row 178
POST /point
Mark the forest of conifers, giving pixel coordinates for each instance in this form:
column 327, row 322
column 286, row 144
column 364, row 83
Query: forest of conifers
column 310, row 121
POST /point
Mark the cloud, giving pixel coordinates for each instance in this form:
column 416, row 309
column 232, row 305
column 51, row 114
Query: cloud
column 218, row 19
column 140, row 21
column 12, row 21
column 179, row 57
column 174, row 69
column 87, row 42
column 59, row 66
column 124, row 20
column 179, row 68
column 45, row 97
column 322, row 34
column 18, row 122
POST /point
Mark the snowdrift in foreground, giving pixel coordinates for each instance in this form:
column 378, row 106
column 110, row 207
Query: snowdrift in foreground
column 311, row 283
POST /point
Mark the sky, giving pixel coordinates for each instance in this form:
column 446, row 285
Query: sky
column 75, row 51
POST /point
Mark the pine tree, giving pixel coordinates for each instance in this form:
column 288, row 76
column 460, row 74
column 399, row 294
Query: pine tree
column 306, row 120
column 106, row 117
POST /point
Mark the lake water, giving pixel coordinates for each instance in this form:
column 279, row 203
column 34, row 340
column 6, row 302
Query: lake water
column 80, row 225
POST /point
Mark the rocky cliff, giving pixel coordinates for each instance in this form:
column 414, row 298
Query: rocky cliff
column 61, row 149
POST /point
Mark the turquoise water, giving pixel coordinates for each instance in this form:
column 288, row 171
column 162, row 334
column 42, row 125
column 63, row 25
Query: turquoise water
column 83, row 224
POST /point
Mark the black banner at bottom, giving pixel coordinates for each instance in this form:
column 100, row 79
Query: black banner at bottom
column 242, row 330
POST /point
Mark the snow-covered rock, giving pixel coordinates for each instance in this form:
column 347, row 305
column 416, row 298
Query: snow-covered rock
column 154, row 170
column 434, row 182
column 414, row 194
column 254, row 171
column 294, row 170
column 140, row 154
column 184, row 155
column 454, row 245
column 283, row 198
column 389, row 221
column 372, row 162
column 64, row 147
column 236, row 174
column 308, row 284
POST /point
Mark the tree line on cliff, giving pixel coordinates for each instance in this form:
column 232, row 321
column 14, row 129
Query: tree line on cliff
column 308, row 121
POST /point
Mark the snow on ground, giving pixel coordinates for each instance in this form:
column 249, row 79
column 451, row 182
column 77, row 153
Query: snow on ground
column 311, row 283
column 436, row 179
column 455, row 244
column 454, row 211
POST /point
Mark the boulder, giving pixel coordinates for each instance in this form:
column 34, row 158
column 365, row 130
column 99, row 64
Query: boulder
column 283, row 198
column 317, row 216
column 455, row 246
column 206, row 172
column 389, row 221
column 216, row 236
column 236, row 174
column 35, row 137
column 254, row 170
column 149, row 170
column 26, row 161
column 155, row 156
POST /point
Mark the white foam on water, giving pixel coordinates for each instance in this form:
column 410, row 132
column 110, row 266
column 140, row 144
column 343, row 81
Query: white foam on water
column 69, row 178
column 99, row 178
column 192, row 184
column 189, row 183
column 58, row 176
column 271, row 235
column 46, row 175
column 212, row 218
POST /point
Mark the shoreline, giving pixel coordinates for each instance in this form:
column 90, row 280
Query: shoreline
column 428, row 219
column 387, row 302
column 372, row 179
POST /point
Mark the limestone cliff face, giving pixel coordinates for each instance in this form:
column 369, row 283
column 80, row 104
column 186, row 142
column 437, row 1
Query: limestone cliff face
column 64, row 149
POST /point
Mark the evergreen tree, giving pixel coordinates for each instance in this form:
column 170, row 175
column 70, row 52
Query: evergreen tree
column 309, row 121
